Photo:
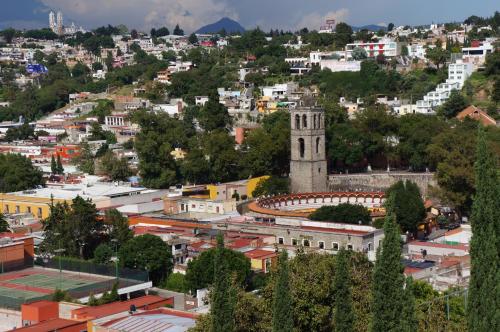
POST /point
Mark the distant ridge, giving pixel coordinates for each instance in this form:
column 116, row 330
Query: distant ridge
column 225, row 23
column 370, row 27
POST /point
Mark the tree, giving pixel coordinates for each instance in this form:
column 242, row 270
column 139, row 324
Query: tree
column 4, row 225
column 388, row 279
column 409, row 322
column 343, row 316
column 83, row 225
column 390, row 27
column 53, row 165
column 495, row 94
column 200, row 271
column 116, row 168
column 342, row 213
column 222, row 301
column 455, row 103
column 8, row 34
column 272, row 186
column 436, row 55
column 18, row 173
column 59, row 166
column 484, row 288
column 343, row 34
column 103, row 254
column 118, row 228
column 148, row 252
column 408, row 206
column 134, row 34
column 359, row 53
column 282, row 301
column 213, row 115
column 85, row 160
column 178, row 31
column 177, row 282
column 193, row 39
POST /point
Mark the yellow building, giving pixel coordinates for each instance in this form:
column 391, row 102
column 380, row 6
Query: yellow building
column 39, row 207
column 225, row 191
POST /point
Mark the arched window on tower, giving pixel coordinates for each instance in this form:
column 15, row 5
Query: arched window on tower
column 315, row 125
column 319, row 121
column 318, row 140
column 297, row 121
column 304, row 121
column 302, row 147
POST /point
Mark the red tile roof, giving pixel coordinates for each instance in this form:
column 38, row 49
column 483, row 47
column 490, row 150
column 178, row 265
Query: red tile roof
column 117, row 307
column 260, row 253
column 51, row 325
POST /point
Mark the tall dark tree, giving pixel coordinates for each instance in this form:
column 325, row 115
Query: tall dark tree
column 53, row 165
column 282, row 300
column 409, row 322
column 222, row 294
column 483, row 308
column 178, row 31
column 343, row 315
column 388, row 279
column 408, row 206
column 18, row 173
column 4, row 225
column 59, row 166
column 118, row 227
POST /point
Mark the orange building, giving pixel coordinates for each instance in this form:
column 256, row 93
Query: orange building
column 39, row 311
column 16, row 251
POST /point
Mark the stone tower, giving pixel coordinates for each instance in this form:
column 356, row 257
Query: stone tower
column 308, row 170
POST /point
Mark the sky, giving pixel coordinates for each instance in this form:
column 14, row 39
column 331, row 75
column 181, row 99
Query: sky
column 267, row 14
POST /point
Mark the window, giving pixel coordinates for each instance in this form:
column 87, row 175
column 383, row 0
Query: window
column 39, row 213
column 294, row 242
column 28, row 209
column 314, row 122
column 281, row 240
column 302, row 147
column 297, row 121
column 182, row 206
column 321, row 245
column 349, row 246
column 306, row 243
column 335, row 246
column 319, row 121
column 304, row 121
column 6, row 209
column 17, row 209
column 318, row 140
column 370, row 246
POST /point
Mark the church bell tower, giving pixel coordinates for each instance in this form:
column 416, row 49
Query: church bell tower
column 308, row 167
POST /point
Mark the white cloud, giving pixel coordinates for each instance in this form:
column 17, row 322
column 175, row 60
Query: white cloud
column 144, row 14
column 316, row 20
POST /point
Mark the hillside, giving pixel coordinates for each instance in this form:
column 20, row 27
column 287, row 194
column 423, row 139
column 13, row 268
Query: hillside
column 225, row 23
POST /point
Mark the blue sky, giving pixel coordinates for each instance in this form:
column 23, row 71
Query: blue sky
column 282, row 14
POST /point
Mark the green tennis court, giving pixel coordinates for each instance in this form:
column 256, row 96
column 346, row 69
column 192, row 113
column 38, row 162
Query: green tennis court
column 19, row 293
column 52, row 282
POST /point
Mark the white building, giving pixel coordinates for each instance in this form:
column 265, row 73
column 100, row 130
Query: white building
column 200, row 100
column 337, row 65
column 476, row 54
column 279, row 91
column 386, row 47
column 458, row 73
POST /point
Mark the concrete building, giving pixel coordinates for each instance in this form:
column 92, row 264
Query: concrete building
column 308, row 168
column 386, row 47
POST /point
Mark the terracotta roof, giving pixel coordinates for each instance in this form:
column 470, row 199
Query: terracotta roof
column 477, row 114
column 260, row 253
column 116, row 307
column 334, row 230
column 52, row 325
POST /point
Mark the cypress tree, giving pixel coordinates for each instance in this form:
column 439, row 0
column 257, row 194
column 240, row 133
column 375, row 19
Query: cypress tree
column 282, row 302
column 343, row 316
column 409, row 322
column 53, row 165
column 483, row 308
column 222, row 295
column 59, row 166
column 388, row 278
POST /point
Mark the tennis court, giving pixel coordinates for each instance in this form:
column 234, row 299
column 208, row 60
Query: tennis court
column 52, row 282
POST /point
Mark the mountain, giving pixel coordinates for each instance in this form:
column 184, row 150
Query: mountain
column 225, row 23
column 370, row 27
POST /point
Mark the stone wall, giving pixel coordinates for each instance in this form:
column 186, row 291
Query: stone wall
column 378, row 181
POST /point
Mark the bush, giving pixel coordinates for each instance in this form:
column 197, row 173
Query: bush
column 177, row 282
column 103, row 254
column 343, row 213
